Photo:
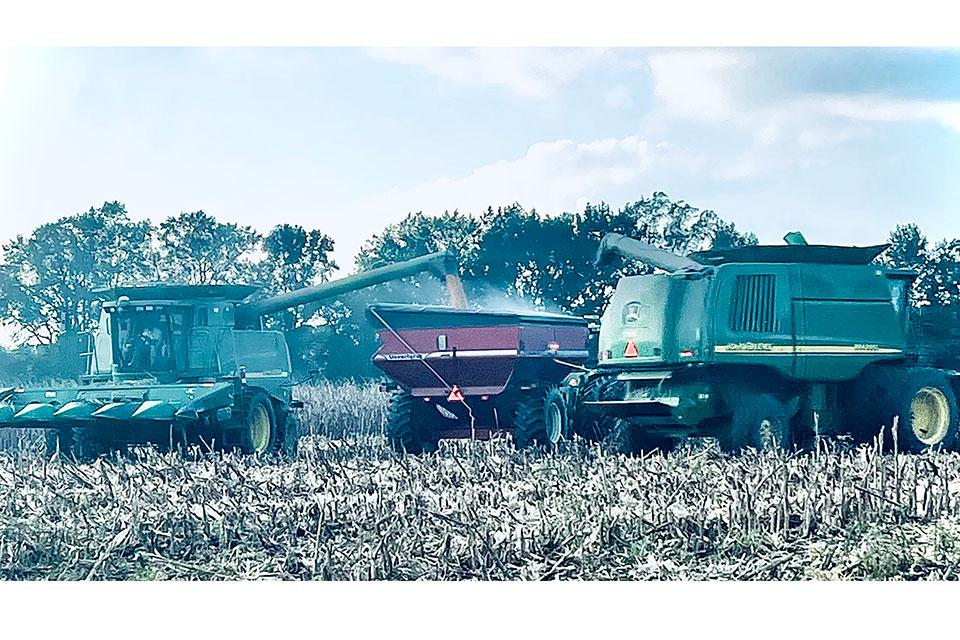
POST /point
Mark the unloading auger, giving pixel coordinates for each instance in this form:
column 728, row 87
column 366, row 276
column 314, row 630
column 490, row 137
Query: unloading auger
column 182, row 364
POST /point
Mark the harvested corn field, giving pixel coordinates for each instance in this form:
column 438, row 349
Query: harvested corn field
column 349, row 508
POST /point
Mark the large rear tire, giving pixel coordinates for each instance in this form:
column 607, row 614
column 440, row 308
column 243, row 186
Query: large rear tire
column 407, row 429
column 759, row 421
column 924, row 402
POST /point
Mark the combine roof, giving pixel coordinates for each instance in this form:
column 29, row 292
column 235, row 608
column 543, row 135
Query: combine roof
column 161, row 291
column 808, row 253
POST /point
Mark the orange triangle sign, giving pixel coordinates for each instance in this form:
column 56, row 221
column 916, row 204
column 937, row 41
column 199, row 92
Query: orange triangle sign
column 455, row 395
column 631, row 350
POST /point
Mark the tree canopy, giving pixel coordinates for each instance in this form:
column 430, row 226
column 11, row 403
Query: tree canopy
column 509, row 257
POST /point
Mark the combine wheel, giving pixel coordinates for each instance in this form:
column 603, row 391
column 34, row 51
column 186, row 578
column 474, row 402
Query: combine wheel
column 259, row 430
column 927, row 407
column 759, row 421
column 406, row 426
column 540, row 420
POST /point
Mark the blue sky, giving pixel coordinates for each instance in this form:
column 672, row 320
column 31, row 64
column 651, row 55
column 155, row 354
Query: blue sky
column 840, row 143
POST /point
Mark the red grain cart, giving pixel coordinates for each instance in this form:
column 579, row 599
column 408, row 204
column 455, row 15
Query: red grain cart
column 465, row 373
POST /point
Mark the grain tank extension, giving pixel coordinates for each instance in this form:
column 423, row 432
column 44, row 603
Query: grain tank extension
column 182, row 364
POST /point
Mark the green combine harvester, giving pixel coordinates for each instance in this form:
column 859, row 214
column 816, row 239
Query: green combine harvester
column 764, row 347
column 188, row 364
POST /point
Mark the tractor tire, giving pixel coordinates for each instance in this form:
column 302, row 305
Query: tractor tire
column 540, row 420
column 258, row 433
column 406, row 428
column 290, row 443
column 558, row 418
column 926, row 404
column 759, row 421
column 529, row 427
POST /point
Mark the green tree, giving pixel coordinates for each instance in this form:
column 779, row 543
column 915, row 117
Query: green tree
column 942, row 283
column 510, row 256
column 549, row 261
column 197, row 249
column 419, row 234
column 48, row 280
column 908, row 250
column 295, row 258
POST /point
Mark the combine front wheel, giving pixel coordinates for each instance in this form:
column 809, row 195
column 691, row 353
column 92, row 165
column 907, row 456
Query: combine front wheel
column 259, row 425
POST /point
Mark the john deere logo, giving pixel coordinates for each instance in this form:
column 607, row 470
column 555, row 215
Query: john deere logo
column 750, row 346
column 636, row 314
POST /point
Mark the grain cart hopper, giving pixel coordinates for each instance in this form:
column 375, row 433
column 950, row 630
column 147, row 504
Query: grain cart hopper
column 760, row 346
column 465, row 373
column 188, row 364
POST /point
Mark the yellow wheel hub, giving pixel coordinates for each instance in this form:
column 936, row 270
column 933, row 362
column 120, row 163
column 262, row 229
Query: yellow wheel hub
column 930, row 416
column 260, row 428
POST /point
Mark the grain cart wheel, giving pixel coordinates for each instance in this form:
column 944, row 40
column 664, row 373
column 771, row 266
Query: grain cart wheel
column 926, row 404
column 406, row 426
column 541, row 420
column 529, row 422
column 557, row 418
column 759, row 421
column 290, row 443
column 259, row 431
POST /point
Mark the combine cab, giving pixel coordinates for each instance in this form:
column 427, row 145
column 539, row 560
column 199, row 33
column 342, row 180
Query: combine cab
column 473, row 373
column 182, row 364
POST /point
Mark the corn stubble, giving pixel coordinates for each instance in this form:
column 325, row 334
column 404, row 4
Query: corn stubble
column 348, row 508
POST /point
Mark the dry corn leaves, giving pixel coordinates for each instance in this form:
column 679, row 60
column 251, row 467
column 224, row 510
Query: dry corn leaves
column 351, row 509
column 348, row 508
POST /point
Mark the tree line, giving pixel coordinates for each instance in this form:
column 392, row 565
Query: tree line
column 509, row 257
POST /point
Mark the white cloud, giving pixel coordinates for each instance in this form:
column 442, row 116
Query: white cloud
column 619, row 97
column 553, row 177
column 537, row 73
column 879, row 108
column 696, row 84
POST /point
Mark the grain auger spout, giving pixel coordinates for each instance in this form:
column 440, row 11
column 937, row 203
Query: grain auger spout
column 647, row 253
column 441, row 263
